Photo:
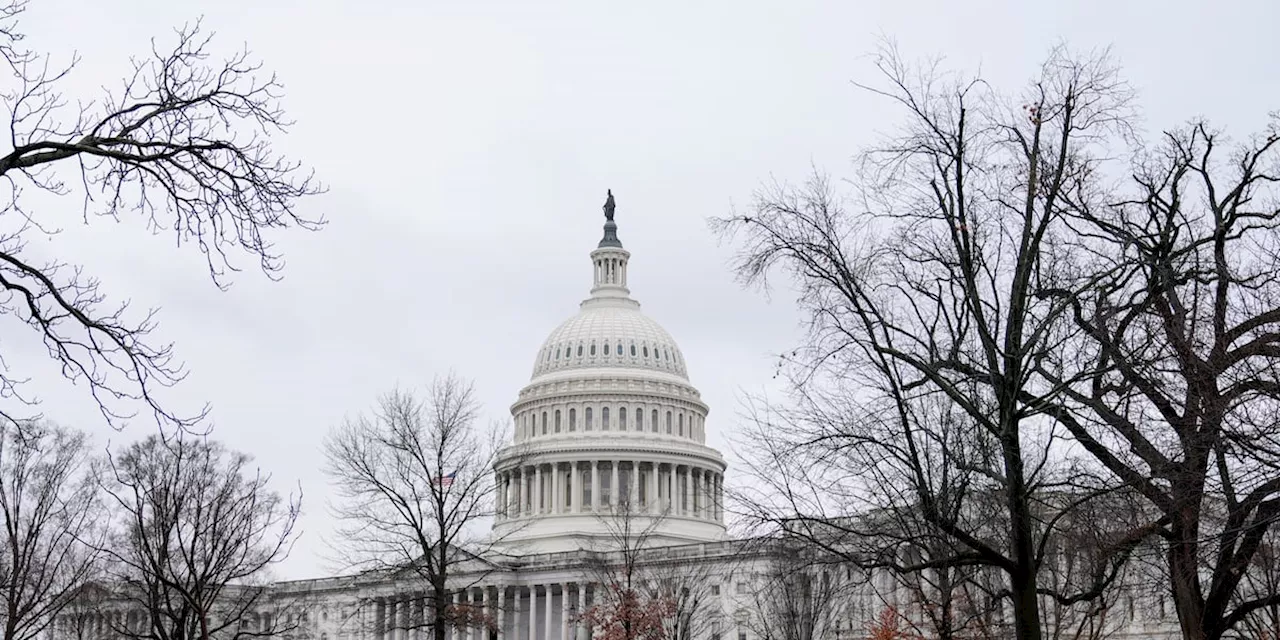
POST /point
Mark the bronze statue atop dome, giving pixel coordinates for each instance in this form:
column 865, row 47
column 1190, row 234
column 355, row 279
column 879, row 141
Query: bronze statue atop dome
column 609, row 207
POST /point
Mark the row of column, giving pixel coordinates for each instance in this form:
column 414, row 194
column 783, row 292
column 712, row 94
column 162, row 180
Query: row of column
column 482, row 613
column 593, row 486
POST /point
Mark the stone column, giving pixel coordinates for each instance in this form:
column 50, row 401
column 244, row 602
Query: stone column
column 547, row 623
column 533, row 612
column 654, row 504
column 595, row 485
column 502, row 612
column 688, row 492
column 581, row 627
column 557, row 491
column 566, row 613
column 537, row 492
column 517, row 495
column 575, row 489
column 613, row 487
column 635, row 487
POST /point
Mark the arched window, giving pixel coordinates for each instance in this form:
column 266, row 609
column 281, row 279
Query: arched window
column 579, row 351
column 593, row 348
column 653, row 424
column 573, row 417
column 544, row 423
column 557, row 353
column 619, row 348
column 588, row 419
column 668, row 423
column 604, row 419
column 639, row 419
column 633, row 351
column 646, row 351
column 681, row 431
column 557, row 421
column 622, row 419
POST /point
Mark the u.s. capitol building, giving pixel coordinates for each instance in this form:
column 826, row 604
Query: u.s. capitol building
column 611, row 427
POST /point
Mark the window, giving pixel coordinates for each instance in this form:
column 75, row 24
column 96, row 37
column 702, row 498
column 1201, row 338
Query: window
column 653, row 424
column 557, row 353
column 715, row 589
column 573, row 419
column 586, row 487
column 619, row 348
column 557, row 421
column 606, row 349
column 588, row 419
column 593, row 348
column 681, row 431
column 622, row 419
column 606, row 488
column 742, row 588
column 604, row 419
column 668, row 423
column 646, row 351
column 742, row 635
column 633, row 351
column 579, row 351
column 639, row 419
column 568, row 490
column 544, row 423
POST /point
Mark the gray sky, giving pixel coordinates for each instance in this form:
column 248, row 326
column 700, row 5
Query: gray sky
column 468, row 146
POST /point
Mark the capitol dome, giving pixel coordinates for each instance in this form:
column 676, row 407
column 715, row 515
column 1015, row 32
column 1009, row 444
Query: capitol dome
column 608, row 427
column 610, row 333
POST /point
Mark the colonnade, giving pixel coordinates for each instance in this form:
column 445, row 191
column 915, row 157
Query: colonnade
column 535, row 612
column 589, row 486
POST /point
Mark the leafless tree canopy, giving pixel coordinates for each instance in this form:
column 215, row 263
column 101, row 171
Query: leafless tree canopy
column 1185, row 326
column 1004, row 337
column 52, row 519
column 412, row 480
column 185, row 144
column 201, row 528
column 918, row 389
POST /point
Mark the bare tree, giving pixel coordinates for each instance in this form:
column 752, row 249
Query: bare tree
column 53, row 517
column 183, row 143
column 1186, row 327
column 917, row 389
column 201, row 528
column 412, row 482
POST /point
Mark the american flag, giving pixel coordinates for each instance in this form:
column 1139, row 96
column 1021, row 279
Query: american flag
column 445, row 480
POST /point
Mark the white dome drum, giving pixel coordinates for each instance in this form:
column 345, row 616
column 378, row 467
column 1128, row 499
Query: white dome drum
column 609, row 426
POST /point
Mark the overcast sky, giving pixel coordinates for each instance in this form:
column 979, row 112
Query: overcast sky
column 468, row 145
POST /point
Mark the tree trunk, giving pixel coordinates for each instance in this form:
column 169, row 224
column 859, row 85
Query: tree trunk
column 1022, row 579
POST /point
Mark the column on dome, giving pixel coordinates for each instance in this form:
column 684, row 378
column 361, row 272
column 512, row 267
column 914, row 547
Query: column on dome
column 614, row 498
column 537, row 483
column 517, row 481
column 687, row 504
column 575, row 488
column 634, row 498
column 595, row 485
column 499, row 507
column 556, row 492
column 652, row 490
